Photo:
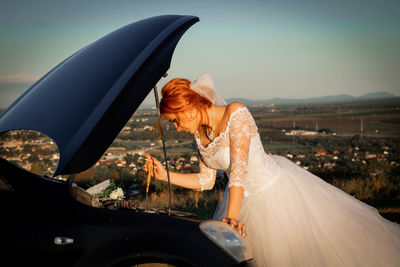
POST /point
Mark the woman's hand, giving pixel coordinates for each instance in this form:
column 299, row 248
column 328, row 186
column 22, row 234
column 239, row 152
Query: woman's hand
column 158, row 169
column 238, row 225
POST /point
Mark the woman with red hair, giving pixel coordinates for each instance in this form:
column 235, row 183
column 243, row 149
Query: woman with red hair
column 290, row 216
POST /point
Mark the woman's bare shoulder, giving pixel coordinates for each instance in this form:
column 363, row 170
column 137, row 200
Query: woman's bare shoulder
column 232, row 107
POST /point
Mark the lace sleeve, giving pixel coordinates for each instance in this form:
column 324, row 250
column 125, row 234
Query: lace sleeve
column 206, row 176
column 242, row 129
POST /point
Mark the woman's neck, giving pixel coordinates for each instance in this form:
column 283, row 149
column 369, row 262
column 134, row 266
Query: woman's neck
column 215, row 116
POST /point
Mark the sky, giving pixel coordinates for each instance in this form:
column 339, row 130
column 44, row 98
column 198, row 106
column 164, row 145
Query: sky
column 254, row 49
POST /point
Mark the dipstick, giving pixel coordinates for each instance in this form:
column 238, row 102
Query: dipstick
column 150, row 173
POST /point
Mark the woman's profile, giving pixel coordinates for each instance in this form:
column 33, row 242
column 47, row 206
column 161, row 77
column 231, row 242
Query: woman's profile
column 290, row 216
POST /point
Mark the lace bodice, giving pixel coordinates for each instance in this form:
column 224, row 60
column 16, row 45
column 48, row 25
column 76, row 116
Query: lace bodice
column 239, row 152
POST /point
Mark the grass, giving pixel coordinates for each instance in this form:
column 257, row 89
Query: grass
column 202, row 204
column 392, row 214
column 376, row 190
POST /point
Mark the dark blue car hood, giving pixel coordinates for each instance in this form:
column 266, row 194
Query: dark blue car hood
column 83, row 103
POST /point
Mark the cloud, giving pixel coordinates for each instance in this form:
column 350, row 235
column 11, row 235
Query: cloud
column 19, row 78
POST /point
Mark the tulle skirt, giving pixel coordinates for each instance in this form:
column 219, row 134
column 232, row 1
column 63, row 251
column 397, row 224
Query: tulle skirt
column 300, row 220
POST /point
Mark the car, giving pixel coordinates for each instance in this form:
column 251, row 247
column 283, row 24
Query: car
column 82, row 104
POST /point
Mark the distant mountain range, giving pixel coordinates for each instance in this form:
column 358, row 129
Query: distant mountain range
column 283, row 101
column 320, row 99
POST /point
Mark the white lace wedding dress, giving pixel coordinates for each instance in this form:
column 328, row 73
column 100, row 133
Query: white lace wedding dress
column 293, row 217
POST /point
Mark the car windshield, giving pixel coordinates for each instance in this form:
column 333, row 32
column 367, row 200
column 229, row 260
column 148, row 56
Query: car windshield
column 31, row 150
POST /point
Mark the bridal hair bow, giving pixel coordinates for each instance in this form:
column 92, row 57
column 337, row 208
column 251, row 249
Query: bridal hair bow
column 204, row 86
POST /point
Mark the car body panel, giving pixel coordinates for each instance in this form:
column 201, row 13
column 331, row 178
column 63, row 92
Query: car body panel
column 39, row 209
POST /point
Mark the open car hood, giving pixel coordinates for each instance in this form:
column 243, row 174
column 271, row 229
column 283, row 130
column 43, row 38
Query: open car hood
column 83, row 103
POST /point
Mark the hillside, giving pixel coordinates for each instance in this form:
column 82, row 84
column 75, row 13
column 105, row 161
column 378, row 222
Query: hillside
column 311, row 100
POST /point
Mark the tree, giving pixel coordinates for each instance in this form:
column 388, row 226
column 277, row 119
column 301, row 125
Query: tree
column 36, row 169
column 103, row 172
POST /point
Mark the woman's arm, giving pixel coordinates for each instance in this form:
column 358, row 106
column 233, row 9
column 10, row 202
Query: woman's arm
column 235, row 202
column 242, row 129
column 198, row 181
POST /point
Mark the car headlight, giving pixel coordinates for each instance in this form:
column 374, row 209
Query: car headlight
column 228, row 239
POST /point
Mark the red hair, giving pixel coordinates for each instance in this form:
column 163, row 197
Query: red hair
column 177, row 97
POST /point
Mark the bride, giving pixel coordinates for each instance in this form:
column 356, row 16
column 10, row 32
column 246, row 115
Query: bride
column 290, row 216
